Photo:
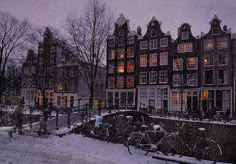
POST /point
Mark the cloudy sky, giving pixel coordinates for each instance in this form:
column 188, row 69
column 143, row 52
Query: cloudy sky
column 172, row 13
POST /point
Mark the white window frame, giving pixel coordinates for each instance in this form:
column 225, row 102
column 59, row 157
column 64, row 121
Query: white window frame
column 196, row 67
column 142, row 43
column 226, row 73
column 164, row 42
column 185, row 45
column 153, row 44
column 188, row 75
column 143, row 75
column 130, row 61
column 160, row 74
column 185, row 35
column 141, row 64
column 153, row 58
column 179, row 77
column 206, row 41
column 212, row 60
column 163, row 56
column 177, row 69
column 152, row 75
column 222, row 39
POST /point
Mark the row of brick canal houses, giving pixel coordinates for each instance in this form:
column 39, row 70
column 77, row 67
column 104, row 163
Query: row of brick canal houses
column 152, row 70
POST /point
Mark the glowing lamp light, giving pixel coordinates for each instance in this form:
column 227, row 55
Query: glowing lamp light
column 205, row 61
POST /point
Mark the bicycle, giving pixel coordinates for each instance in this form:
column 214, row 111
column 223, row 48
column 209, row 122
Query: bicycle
column 202, row 147
column 142, row 143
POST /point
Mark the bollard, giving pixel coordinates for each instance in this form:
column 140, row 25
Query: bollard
column 30, row 119
column 68, row 118
column 57, row 128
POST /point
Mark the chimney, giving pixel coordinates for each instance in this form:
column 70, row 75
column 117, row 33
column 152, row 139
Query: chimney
column 139, row 30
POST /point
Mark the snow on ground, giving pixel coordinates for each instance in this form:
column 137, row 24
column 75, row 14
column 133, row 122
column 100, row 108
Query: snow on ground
column 71, row 149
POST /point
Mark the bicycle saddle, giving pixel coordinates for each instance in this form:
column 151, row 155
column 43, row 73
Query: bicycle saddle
column 201, row 129
column 156, row 127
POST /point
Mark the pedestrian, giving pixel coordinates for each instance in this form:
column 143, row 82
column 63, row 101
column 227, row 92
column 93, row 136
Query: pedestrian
column 19, row 109
column 42, row 126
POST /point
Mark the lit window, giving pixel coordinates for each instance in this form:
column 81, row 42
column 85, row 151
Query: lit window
column 153, row 59
column 111, row 68
column 208, row 77
column 222, row 43
column 192, row 79
column 130, row 81
column 130, row 52
column 223, row 59
column 143, row 45
column 175, row 98
column 192, row 63
column 153, row 44
column 185, row 35
column 177, row 64
column 185, row 47
column 143, row 60
column 120, row 68
column 208, row 60
column 111, row 82
column 120, row 82
column 164, row 42
column 164, row 58
column 223, row 77
column 176, row 80
column 143, row 77
column 121, row 53
column 208, row 44
column 112, row 54
column 153, row 77
column 163, row 76
column 130, row 66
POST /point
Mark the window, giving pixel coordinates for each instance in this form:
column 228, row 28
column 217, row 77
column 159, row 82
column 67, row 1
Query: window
column 120, row 82
column 223, row 59
column 208, row 60
column 121, row 41
column 121, row 32
column 163, row 76
column 153, row 77
column 175, row 98
column 177, row 64
column 130, row 81
column 192, row 63
column 222, row 43
column 164, row 42
column 153, row 59
column 164, row 58
column 111, row 42
column 143, row 77
column 222, row 77
column 208, row 77
column 130, row 52
column 143, row 45
column 176, row 80
column 153, row 44
column 111, row 82
column 29, row 82
column 185, row 47
column 208, row 44
column 185, row 35
column 130, row 66
column 130, row 40
column 215, row 30
column 143, row 96
column 112, row 54
column 51, row 83
column 143, row 60
column 111, row 68
column 153, row 32
column 120, row 67
column 121, row 53
column 192, row 79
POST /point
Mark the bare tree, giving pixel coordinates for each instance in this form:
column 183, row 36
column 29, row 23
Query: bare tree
column 13, row 35
column 88, row 34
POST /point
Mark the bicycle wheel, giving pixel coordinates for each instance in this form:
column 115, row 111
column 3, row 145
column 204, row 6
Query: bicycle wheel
column 208, row 149
column 135, row 144
column 167, row 144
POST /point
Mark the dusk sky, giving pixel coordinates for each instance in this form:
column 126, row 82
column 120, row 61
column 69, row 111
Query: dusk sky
column 172, row 13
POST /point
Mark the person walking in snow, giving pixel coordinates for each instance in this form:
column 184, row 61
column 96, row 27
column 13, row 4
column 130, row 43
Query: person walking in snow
column 43, row 124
